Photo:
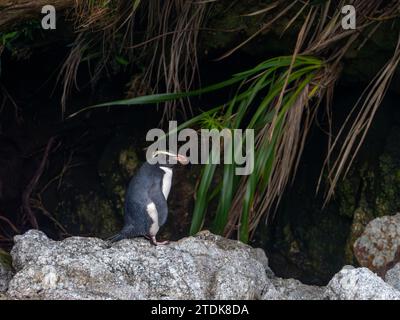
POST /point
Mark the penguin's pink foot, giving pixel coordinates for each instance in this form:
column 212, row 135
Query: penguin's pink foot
column 156, row 243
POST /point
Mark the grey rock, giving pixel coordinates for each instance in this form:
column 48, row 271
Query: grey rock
column 5, row 271
column 393, row 277
column 359, row 284
column 379, row 246
column 205, row 266
column 200, row 267
column 291, row 289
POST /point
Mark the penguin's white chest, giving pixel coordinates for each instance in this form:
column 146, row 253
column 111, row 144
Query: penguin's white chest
column 152, row 212
column 166, row 181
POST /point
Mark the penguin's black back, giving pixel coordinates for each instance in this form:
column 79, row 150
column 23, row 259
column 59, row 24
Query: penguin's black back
column 144, row 188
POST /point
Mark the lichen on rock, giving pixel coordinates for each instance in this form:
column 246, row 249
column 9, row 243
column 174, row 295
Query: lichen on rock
column 379, row 246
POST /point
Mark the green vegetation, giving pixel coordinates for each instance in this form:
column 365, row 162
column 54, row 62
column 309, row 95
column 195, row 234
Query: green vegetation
column 23, row 34
column 266, row 96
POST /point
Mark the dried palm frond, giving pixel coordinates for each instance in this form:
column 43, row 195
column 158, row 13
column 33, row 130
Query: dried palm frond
column 173, row 64
column 98, row 25
column 108, row 29
column 333, row 42
column 353, row 138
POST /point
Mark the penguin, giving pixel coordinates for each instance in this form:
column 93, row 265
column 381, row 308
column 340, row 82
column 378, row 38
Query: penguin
column 146, row 208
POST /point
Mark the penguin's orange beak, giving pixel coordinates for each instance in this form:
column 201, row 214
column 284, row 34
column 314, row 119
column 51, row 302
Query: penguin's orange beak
column 182, row 159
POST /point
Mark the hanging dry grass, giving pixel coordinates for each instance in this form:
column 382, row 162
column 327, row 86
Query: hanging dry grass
column 167, row 46
column 175, row 25
column 104, row 30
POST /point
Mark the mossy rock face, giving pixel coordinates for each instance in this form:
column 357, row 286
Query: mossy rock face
column 117, row 165
column 376, row 191
column 6, row 270
column 97, row 213
column 306, row 241
column 5, row 260
column 361, row 218
column 230, row 23
column 88, row 213
column 387, row 201
column 89, row 199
